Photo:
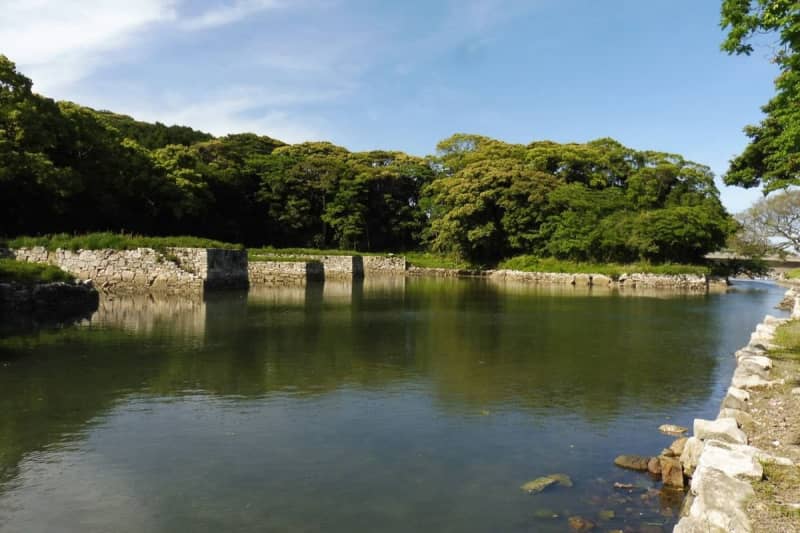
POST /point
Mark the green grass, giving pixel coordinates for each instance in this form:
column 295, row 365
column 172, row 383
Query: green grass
column 529, row 263
column 270, row 253
column 793, row 274
column 787, row 336
column 115, row 241
column 28, row 273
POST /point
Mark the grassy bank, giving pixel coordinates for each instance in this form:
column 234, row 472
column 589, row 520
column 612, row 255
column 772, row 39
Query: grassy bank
column 529, row 263
column 269, row 253
column 115, row 241
column 12, row 271
column 419, row 259
column 787, row 336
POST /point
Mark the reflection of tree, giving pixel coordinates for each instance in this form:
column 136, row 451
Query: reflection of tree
column 474, row 344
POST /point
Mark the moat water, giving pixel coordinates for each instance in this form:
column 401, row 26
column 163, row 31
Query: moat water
column 392, row 405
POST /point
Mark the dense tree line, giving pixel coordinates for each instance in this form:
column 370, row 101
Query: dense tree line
column 68, row 168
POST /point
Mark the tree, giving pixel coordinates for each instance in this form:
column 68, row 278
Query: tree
column 771, row 225
column 772, row 158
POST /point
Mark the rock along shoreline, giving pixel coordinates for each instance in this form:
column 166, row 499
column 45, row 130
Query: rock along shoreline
column 720, row 458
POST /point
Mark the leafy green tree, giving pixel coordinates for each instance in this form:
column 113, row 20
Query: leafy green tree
column 772, row 158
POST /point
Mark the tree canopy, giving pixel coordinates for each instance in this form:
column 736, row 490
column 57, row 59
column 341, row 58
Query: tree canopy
column 69, row 168
column 772, row 158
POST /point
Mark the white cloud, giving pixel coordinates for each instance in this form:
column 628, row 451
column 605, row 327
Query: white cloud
column 57, row 42
column 228, row 14
column 237, row 111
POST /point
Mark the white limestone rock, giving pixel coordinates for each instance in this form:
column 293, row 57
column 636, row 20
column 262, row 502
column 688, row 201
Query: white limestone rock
column 724, row 429
column 691, row 455
column 733, row 460
column 720, row 501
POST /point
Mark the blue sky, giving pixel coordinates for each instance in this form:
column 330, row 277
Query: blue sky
column 404, row 75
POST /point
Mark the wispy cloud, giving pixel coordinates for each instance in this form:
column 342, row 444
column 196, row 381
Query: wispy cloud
column 58, row 43
column 229, row 13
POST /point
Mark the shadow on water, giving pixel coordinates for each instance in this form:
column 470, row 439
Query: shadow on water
column 338, row 406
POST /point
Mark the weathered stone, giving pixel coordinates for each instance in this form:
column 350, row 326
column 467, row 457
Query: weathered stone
column 632, row 462
column 691, row 455
column 720, row 502
column 742, row 418
column 737, row 399
column 654, row 466
column 749, row 378
column 678, row 445
column 672, row 429
column 733, row 460
column 671, row 472
column 690, row 524
column 599, row 280
column 760, row 362
column 724, row 429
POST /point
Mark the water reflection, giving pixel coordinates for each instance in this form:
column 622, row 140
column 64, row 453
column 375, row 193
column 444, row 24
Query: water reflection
column 392, row 401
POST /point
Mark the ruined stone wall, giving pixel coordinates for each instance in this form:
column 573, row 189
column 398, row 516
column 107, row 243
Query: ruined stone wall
column 326, row 267
column 631, row 281
column 284, row 272
column 379, row 264
column 177, row 270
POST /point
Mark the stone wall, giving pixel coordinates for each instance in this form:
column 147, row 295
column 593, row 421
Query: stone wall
column 379, row 264
column 177, row 270
column 719, row 456
column 628, row 281
column 218, row 268
column 325, row 267
column 285, row 272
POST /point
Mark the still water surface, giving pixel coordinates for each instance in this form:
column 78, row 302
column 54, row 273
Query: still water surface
column 393, row 405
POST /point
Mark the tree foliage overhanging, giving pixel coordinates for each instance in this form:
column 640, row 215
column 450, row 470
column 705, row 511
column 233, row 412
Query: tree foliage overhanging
column 68, row 168
column 772, row 158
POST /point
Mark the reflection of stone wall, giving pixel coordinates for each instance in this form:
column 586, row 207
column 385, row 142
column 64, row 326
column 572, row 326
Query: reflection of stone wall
column 144, row 313
column 330, row 292
column 47, row 300
column 178, row 270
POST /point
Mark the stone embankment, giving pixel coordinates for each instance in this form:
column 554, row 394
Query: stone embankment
column 47, row 301
column 626, row 281
column 174, row 270
column 296, row 270
column 720, row 458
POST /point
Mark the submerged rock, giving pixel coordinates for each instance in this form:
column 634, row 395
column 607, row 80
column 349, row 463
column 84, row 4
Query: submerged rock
column 579, row 523
column 654, row 466
column 632, row 462
column 672, row 429
column 677, row 446
column 546, row 514
column 671, row 472
column 607, row 514
column 539, row 484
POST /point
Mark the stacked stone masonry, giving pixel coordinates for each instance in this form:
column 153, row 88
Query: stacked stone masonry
column 626, row 281
column 717, row 457
column 327, row 267
column 176, row 270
